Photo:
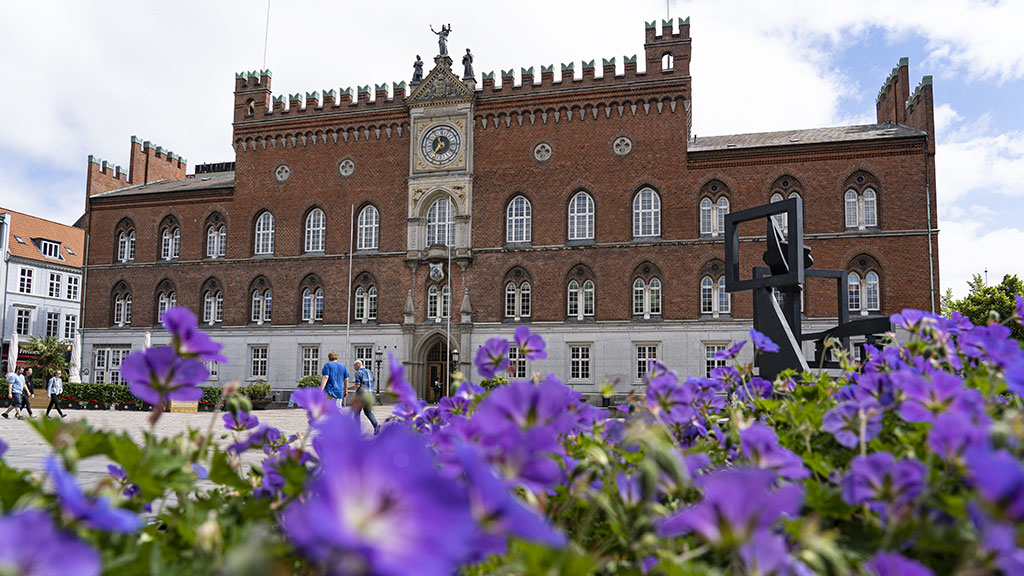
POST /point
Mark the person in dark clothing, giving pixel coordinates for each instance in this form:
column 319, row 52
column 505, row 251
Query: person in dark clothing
column 54, row 388
column 364, row 394
column 29, row 393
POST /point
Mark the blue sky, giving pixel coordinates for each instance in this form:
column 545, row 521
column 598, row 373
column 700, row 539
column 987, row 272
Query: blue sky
column 83, row 80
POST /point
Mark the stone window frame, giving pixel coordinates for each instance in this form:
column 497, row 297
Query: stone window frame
column 212, row 297
column 712, row 195
column 311, row 300
column 862, row 195
column 639, row 212
column 314, row 233
column 261, row 301
column 517, row 295
column 519, row 210
column 435, row 226
column 588, row 212
column 263, row 234
column 645, row 282
column 368, row 233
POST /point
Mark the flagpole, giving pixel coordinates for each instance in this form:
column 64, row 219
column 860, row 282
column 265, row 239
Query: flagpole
column 448, row 333
column 348, row 316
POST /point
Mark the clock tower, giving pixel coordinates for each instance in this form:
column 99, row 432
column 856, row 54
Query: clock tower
column 440, row 189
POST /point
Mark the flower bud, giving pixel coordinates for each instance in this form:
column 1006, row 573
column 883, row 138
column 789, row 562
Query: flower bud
column 208, row 535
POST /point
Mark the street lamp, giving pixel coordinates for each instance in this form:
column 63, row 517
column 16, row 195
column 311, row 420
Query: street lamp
column 455, row 360
column 377, row 355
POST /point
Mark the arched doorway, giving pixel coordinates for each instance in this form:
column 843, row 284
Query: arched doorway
column 436, row 371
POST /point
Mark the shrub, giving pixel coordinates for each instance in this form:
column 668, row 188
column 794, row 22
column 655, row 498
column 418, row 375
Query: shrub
column 310, row 382
column 492, row 383
column 256, row 391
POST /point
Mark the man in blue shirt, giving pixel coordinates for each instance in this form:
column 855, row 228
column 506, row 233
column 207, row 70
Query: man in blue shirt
column 364, row 395
column 335, row 379
column 15, row 387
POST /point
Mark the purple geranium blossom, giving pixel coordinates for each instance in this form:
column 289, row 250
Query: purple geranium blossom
column 370, row 495
column 730, row 352
column 955, row 433
column 3, row 447
column 913, row 320
column 997, row 541
column 241, row 421
column 1014, row 376
column 492, row 357
column 263, row 436
column 762, row 342
column 999, row 478
column 522, row 405
column 887, row 486
column 34, row 546
column 498, row 512
column 892, row 564
column 189, row 340
column 737, row 503
column 844, row 421
column 760, row 445
column 409, row 406
column 200, row 471
column 116, row 472
column 666, row 398
column 96, row 513
column 531, row 346
column 314, row 401
column 450, row 406
column 1018, row 308
column 925, row 399
column 159, row 374
column 765, row 553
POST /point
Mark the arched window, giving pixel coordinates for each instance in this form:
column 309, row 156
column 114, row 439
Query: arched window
column 870, row 213
column 852, row 216
column 446, row 300
column 573, row 299
column 360, row 303
column 213, row 306
column 216, row 236
column 165, row 245
column 364, row 302
column 262, row 306
column 871, row 291
column 588, row 298
column 511, row 307
column 654, row 296
column 721, row 209
column 432, row 303
column 853, row 281
column 212, row 242
column 706, row 216
column 318, row 305
column 125, row 241
column 371, row 303
column 264, row 234
column 368, row 234
column 525, row 304
column 714, row 299
column 438, row 302
column 122, row 309
column 639, row 296
column 518, row 220
column 517, row 300
column 646, row 291
column 666, row 61
column 441, row 223
column 122, row 247
column 166, row 299
column 646, row 213
column 581, row 217
column 170, row 238
column 782, row 220
column 223, row 245
column 315, row 228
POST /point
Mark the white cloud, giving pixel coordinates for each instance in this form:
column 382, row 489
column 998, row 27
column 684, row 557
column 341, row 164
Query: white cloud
column 969, row 247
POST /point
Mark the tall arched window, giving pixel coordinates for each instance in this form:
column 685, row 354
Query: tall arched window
column 364, row 302
column 852, row 213
column 316, row 227
column 870, row 213
column 125, row 241
column 581, row 217
column 518, row 220
column 166, row 299
column 122, row 308
column 360, row 303
column 441, row 223
column 712, row 212
column 871, row 291
column 581, row 299
column 517, row 300
column 212, row 242
column 371, row 303
column 714, row 299
column 721, row 209
column 639, row 296
column 861, row 201
column 312, row 305
column 262, row 306
column 853, row 282
column 864, row 292
column 432, row 303
column 213, row 306
column 646, row 213
column 647, row 297
column 264, row 234
column 216, row 236
column 573, row 299
column 588, row 298
column 666, row 61
column 368, row 234
column 706, row 216
column 438, row 302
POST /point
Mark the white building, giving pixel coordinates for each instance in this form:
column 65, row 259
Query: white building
column 40, row 278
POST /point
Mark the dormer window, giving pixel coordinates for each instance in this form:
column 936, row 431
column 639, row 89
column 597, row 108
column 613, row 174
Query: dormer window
column 50, row 249
column 19, row 239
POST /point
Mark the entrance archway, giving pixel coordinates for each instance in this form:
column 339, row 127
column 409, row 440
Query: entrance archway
column 436, row 371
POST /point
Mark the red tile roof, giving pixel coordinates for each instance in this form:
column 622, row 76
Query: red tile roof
column 32, row 229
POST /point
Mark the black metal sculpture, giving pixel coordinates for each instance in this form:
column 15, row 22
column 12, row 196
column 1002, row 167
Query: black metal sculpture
column 788, row 263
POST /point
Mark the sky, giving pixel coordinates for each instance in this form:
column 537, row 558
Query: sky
column 83, row 77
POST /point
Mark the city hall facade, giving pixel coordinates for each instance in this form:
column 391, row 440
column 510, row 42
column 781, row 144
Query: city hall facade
column 421, row 221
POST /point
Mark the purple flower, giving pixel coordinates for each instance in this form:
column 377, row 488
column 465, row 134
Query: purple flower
column 531, row 346
column 241, row 421
column 997, row 541
column 454, row 406
column 409, row 406
column 843, row 421
column 953, row 434
column 999, row 478
column 314, row 401
column 737, row 503
column 116, row 472
column 666, row 398
column 3, row 447
column 498, row 512
column 34, row 546
column 97, row 513
column 1014, row 376
column 762, row 342
column 765, row 553
column 522, row 405
column 887, row 486
column 492, row 357
column 760, row 445
column 1018, row 308
column 200, row 471
column 159, row 374
column 630, row 488
column 913, row 320
column 924, row 399
column 189, row 340
column 730, row 352
column 264, row 436
column 380, row 507
column 892, row 564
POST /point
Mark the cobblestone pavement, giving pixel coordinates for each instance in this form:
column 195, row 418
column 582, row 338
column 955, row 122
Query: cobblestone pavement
column 27, row 450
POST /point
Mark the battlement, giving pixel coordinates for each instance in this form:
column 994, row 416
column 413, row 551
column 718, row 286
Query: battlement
column 147, row 163
column 889, row 104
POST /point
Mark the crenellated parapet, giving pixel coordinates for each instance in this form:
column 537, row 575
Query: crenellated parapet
column 147, row 163
column 889, row 103
column 920, row 110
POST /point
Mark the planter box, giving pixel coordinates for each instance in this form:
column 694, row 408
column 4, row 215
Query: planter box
column 184, row 407
column 260, row 404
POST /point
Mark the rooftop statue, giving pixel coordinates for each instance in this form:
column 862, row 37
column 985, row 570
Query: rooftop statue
column 467, row 62
column 417, row 70
column 442, row 38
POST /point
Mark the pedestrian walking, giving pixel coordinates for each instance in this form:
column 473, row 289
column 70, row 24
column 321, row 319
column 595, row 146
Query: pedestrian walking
column 15, row 387
column 334, row 380
column 363, row 401
column 29, row 392
column 54, row 388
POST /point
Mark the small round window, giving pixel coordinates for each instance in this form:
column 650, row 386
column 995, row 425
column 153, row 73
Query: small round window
column 622, row 145
column 346, row 167
column 283, row 173
column 542, row 152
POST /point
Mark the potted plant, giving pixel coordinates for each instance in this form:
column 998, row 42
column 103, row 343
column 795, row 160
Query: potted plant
column 258, row 393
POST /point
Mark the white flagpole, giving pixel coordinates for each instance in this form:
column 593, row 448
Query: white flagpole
column 448, row 333
column 348, row 317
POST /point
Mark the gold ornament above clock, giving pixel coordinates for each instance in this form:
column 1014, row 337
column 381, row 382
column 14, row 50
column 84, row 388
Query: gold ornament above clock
column 441, row 145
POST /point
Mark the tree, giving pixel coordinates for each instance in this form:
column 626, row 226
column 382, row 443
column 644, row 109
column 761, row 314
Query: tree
column 50, row 356
column 982, row 300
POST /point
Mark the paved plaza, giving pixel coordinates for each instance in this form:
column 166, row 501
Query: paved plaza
column 27, row 449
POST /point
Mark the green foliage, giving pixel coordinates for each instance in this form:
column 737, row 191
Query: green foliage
column 982, row 301
column 211, row 395
column 256, row 391
column 492, row 383
column 50, row 356
column 310, row 382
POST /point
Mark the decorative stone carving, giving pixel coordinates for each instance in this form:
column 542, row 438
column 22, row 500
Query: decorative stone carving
column 346, row 167
column 283, row 173
column 542, row 152
column 622, row 145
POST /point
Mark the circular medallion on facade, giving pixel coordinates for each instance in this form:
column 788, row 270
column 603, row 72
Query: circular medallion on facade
column 441, row 145
column 282, row 173
column 622, row 145
column 542, row 152
column 346, row 167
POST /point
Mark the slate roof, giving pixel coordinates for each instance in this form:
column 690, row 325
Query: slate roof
column 32, row 229
column 797, row 137
column 217, row 180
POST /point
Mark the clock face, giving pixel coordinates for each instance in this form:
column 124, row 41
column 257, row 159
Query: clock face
column 441, row 145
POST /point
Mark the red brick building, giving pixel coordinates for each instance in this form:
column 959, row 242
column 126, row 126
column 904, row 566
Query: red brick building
column 583, row 207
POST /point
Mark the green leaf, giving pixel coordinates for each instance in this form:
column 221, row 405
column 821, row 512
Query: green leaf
column 222, row 473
